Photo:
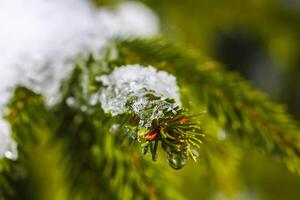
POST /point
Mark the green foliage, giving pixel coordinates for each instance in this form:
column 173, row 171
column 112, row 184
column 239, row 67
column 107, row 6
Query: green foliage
column 178, row 136
column 199, row 23
column 68, row 151
column 238, row 108
column 92, row 163
column 108, row 164
column 35, row 174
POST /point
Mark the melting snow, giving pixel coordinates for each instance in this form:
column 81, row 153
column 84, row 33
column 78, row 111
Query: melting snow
column 133, row 83
column 40, row 39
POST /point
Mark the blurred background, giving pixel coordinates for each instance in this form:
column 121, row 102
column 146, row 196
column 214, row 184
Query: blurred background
column 260, row 39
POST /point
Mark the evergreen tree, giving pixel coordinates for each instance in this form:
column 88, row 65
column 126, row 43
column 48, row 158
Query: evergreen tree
column 130, row 113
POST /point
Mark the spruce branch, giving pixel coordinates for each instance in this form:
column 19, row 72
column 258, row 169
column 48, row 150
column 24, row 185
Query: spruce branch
column 146, row 118
column 102, row 151
column 88, row 160
column 98, row 157
column 34, row 174
column 179, row 137
column 244, row 112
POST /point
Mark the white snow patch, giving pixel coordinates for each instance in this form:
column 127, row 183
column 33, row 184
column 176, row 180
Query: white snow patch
column 40, row 39
column 134, row 82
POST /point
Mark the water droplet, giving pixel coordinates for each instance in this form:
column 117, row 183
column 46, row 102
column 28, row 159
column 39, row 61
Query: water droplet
column 176, row 160
column 8, row 147
column 114, row 128
column 12, row 152
column 83, row 108
column 222, row 134
column 94, row 99
column 71, row 101
column 10, row 155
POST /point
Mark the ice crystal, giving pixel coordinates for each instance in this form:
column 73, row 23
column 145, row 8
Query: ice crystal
column 128, row 87
column 8, row 147
column 40, row 39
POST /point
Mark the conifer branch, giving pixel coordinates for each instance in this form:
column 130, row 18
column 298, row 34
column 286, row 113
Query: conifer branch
column 99, row 157
column 91, row 160
column 240, row 109
column 102, row 147
column 149, row 119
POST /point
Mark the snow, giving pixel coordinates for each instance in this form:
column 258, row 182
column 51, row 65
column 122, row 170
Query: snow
column 40, row 39
column 126, row 89
column 8, row 147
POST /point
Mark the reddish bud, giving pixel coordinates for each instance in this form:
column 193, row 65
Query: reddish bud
column 152, row 135
column 183, row 120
